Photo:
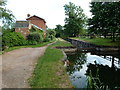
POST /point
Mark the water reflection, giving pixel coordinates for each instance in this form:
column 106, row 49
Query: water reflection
column 76, row 62
column 103, row 77
column 75, row 70
column 88, row 65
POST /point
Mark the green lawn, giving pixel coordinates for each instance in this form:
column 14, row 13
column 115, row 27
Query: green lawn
column 100, row 41
column 49, row 71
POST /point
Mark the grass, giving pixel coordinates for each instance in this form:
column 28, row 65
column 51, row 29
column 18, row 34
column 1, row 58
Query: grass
column 100, row 41
column 32, row 46
column 49, row 71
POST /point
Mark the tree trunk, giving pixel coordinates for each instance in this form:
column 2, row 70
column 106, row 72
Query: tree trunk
column 113, row 59
column 104, row 35
column 113, row 36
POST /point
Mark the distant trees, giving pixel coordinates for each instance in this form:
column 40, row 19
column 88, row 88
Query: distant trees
column 6, row 17
column 75, row 20
column 106, row 18
column 59, row 30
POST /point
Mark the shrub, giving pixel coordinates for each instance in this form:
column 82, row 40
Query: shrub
column 41, row 33
column 64, row 36
column 51, row 32
column 10, row 39
column 35, row 37
column 33, row 29
column 31, row 42
column 47, row 39
column 51, row 37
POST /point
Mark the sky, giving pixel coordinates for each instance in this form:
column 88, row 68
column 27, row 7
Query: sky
column 50, row 10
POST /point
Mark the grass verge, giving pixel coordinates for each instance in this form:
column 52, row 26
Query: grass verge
column 49, row 71
column 32, row 46
column 100, row 41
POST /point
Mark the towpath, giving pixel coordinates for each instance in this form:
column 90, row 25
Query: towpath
column 18, row 65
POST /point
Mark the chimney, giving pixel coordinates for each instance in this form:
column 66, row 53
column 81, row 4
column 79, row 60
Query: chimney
column 28, row 15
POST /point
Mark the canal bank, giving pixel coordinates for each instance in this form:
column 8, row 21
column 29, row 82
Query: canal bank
column 82, row 45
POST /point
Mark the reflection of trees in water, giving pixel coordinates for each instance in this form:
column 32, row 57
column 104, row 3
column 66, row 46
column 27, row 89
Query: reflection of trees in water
column 76, row 62
column 110, row 56
column 109, row 77
column 103, row 76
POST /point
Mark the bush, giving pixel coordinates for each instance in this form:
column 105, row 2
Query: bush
column 64, row 36
column 33, row 29
column 51, row 32
column 32, row 42
column 10, row 39
column 51, row 37
column 35, row 37
column 47, row 39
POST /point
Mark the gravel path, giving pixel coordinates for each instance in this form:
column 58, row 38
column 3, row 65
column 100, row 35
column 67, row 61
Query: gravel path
column 18, row 65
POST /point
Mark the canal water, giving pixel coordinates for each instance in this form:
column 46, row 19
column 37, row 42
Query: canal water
column 98, row 70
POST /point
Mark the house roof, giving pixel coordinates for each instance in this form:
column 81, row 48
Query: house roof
column 36, row 27
column 36, row 17
column 25, row 24
column 22, row 24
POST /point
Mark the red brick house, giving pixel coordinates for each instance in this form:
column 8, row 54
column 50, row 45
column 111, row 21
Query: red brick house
column 33, row 21
column 37, row 21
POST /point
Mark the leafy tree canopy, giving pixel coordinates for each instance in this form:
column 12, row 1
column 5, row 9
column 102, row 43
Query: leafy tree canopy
column 105, row 18
column 59, row 30
column 75, row 19
column 6, row 17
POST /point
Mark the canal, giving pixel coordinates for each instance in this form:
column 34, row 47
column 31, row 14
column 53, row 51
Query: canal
column 97, row 70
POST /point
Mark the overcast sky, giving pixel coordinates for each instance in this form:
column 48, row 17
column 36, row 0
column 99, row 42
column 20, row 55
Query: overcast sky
column 50, row 10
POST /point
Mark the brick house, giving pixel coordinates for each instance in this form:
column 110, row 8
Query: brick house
column 33, row 21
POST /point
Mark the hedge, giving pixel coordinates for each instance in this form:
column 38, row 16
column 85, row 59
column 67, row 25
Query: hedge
column 10, row 39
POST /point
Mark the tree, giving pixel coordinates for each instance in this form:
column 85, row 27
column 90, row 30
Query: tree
column 105, row 18
column 51, row 32
column 75, row 20
column 6, row 17
column 59, row 30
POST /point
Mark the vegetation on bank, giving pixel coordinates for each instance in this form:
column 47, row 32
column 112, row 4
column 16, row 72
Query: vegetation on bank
column 12, row 39
column 32, row 46
column 49, row 71
column 100, row 41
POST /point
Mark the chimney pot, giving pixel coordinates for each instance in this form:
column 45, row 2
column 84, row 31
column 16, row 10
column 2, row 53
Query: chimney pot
column 28, row 15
